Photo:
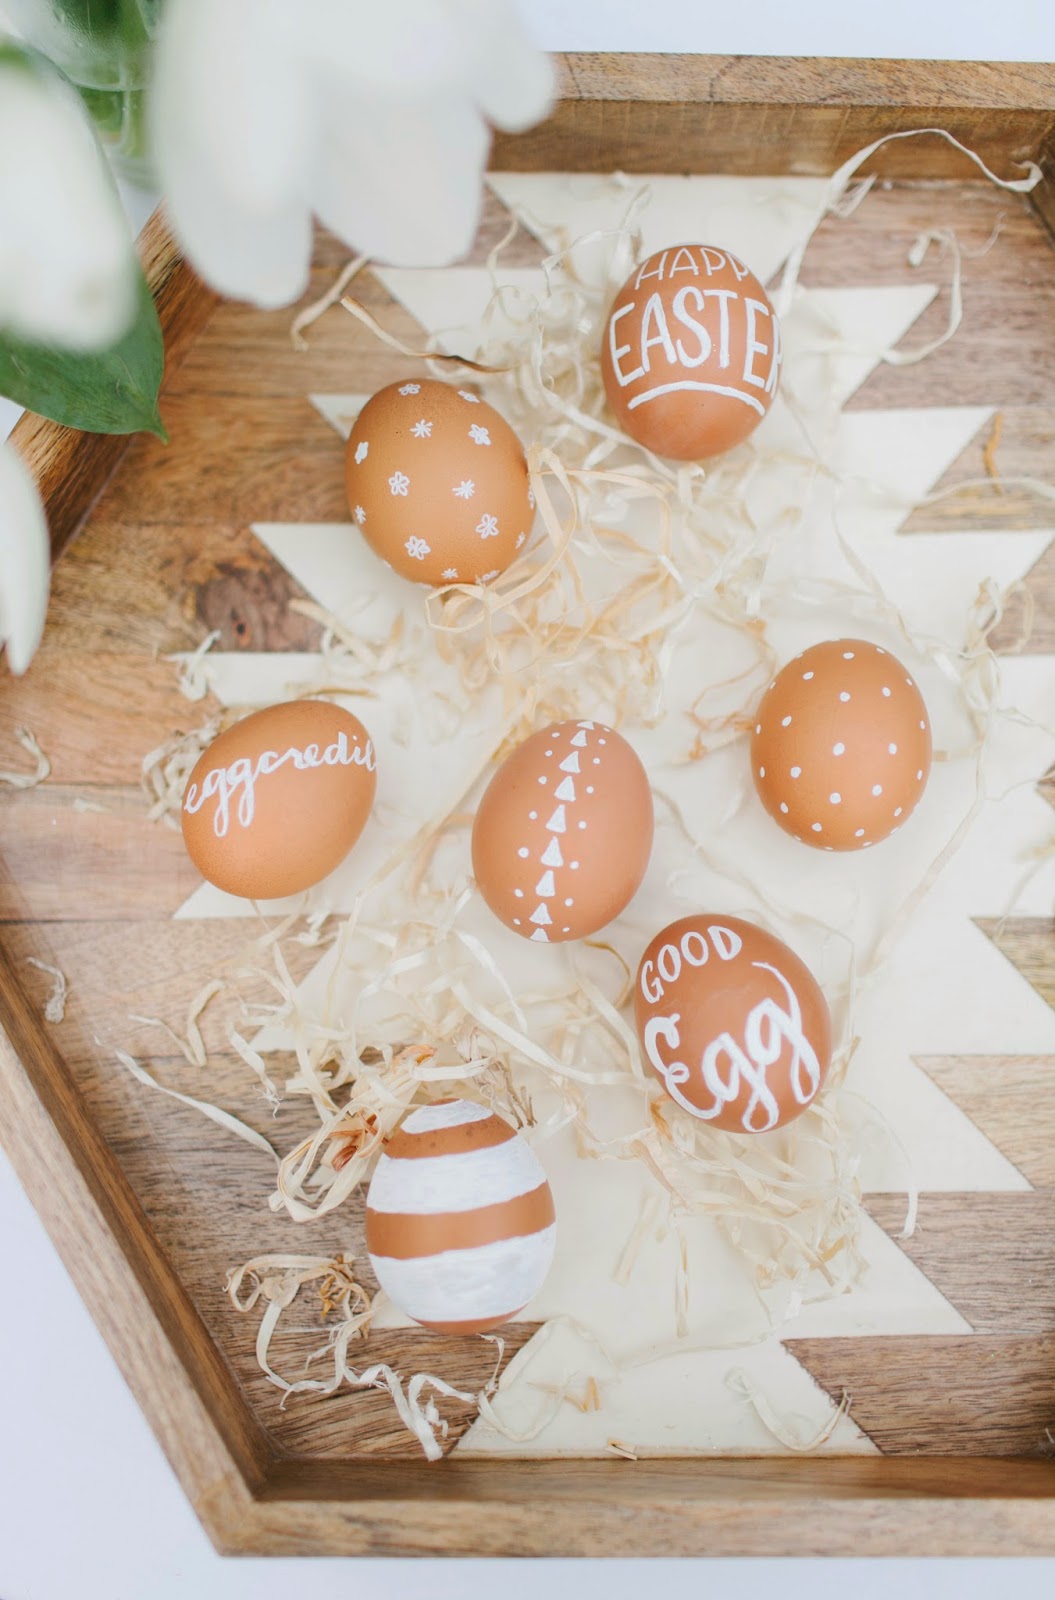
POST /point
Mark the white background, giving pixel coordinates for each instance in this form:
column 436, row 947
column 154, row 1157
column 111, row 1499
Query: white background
column 87, row 1502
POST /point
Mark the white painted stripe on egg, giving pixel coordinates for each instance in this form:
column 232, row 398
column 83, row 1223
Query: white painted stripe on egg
column 461, row 1182
column 452, row 1114
column 491, row 1280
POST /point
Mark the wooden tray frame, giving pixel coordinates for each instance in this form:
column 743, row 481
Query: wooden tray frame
column 639, row 114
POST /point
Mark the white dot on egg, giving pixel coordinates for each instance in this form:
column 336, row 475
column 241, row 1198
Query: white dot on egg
column 761, row 772
column 923, row 725
column 919, row 775
column 898, row 811
column 758, row 727
column 543, row 778
column 859, row 833
column 807, row 676
column 879, row 650
column 848, row 655
column 837, row 749
column 835, row 799
column 597, row 761
column 582, row 824
column 886, row 693
column 575, row 866
column 785, row 722
column 522, row 852
column 843, row 695
column 877, row 789
column 784, row 807
column 589, row 788
column 516, row 922
column 519, row 893
column 816, row 827
column 893, row 749
column 549, row 752
column 796, row 771
column 602, row 741
column 569, row 902
column 829, row 847
column 565, row 930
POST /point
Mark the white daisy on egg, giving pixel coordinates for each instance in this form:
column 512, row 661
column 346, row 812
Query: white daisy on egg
column 422, row 429
column 399, row 483
column 417, row 549
column 479, row 435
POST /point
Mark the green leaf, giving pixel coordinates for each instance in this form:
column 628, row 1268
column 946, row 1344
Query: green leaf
column 100, row 391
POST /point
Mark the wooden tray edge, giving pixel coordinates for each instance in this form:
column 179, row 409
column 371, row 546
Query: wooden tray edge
column 249, row 1500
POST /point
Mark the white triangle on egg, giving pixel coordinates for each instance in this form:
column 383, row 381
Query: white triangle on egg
column 551, row 856
column 546, row 886
column 566, row 790
column 571, row 763
column 557, row 823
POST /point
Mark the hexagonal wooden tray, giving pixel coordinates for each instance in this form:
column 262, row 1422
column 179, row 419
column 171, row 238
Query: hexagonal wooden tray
column 157, row 550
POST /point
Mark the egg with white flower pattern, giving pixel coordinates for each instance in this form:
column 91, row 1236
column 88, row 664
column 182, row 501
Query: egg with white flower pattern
column 841, row 749
column 438, row 483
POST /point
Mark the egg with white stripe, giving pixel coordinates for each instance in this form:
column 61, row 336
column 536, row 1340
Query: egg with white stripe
column 563, row 833
column 460, row 1225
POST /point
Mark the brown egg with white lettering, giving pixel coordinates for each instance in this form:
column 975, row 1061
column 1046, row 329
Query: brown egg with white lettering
column 563, row 834
column 691, row 352
column 732, row 1023
column 277, row 801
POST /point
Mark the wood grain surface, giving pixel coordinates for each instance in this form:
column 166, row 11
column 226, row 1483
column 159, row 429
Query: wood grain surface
column 749, row 114
column 152, row 1207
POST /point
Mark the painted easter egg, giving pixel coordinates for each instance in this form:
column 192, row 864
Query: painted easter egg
column 563, row 834
column 732, row 1023
column 841, row 750
column 691, row 352
column 460, row 1226
column 438, row 483
column 278, row 800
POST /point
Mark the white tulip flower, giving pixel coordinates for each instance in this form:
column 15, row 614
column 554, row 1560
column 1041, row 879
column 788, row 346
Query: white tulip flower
column 372, row 117
column 24, row 561
column 68, row 272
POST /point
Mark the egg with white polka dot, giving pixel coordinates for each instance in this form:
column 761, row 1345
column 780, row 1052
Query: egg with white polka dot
column 438, row 483
column 841, row 749
column 563, row 833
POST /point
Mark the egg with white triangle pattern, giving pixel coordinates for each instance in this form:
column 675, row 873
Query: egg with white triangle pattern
column 563, row 833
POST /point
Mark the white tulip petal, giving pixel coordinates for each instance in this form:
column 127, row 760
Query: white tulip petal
column 24, row 561
column 228, row 88
column 403, row 46
column 250, row 238
column 400, row 180
column 68, row 273
column 512, row 82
